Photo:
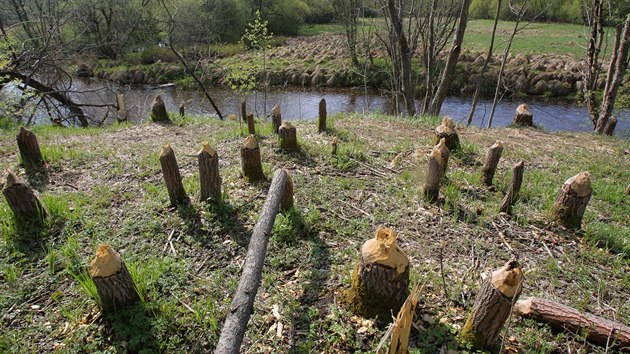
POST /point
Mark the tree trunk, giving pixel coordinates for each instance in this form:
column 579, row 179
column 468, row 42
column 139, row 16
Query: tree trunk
column 209, row 173
column 515, row 186
column 250, row 160
column 182, row 109
column 447, row 131
column 492, row 161
column 523, row 117
column 172, row 178
column 112, row 279
column 24, row 204
column 593, row 66
column 571, row 202
column 29, row 149
column 321, row 122
column 276, row 118
column 610, row 126
column 334, row 146
column 380, row 282
column 251, row 125
column 288, row 137
column 158, row 111
column 243, row 111
column 433, row 177
column 493, row 306
column 444, row 153
column 404, row 54
column 561, row 317
column 122, row 107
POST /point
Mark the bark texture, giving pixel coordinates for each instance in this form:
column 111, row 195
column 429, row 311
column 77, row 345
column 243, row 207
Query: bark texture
column 276, row 118
column 444, row 153
column 610, row 126
column 288, row 137
column 569, row 207
column 158, row 111
column 447, row 131
column 243, row 111
column 334, row 146
column 209, row 176
column 24, row 204
column 251, row 124
column 514, row 188
column 323, row 114
column 122, row 107
column 112, row 279
column 490, row 164
column 433, row 177
column 172, row 178
column 523, row 117
column 250, row 160
column 29, row 149
column 182, row 109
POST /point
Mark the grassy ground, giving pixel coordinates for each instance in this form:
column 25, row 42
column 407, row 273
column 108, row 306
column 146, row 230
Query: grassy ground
column 105, row 185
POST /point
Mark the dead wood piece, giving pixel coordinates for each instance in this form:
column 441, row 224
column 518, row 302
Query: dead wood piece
column 444, row 152
column 598, row 330
column 447, row 131
column 514, row 188
column 158, row 111
column 323, row 114
column 490, row 164
column 523, row 117
column 402, row 326
column 569, row 207
column 172, row 178
column 122, row 107
column 182, row 109
column 209, row 173
column 243, row 110
column 276, row 118
column 29, row 149
column 114, row 284
column 492, row 306
column 250, row 160
column 251, row 125
column 26, row 207
column 433, row 177
column 288, row 137
column 610, row 126
column 334, row 146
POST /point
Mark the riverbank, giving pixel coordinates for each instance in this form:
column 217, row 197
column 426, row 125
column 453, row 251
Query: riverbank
column 105, row 185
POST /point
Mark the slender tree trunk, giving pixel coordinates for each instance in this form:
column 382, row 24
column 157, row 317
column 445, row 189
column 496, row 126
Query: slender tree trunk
column 395, row 14
column 591, row 74
column 323, row 115
column 492, row 161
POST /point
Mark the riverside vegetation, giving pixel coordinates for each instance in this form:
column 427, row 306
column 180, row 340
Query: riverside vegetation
column 105, row 185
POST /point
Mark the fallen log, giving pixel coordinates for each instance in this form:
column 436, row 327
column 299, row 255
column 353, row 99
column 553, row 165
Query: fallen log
column 243, row 301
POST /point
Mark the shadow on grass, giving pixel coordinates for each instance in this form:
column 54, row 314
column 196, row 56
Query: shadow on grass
column 300, row 157
column 38, row 178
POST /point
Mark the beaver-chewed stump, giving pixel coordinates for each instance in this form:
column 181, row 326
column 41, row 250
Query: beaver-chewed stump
column 493, row 306
column 276, row 118
column 523, row 117
column 30, row 152
column 112, row 279
column 444, row 153
column 26, row 207
column 433, row 176
column 158, row 111
column 323, row 114
column 250, row 160
column 490, row 164
column 380, row 282
column 209, row 177
column 251, row 124
column 172, row 178
column 447, row 131
column 569, row 207
column 334, row 146
column 288, row 137
column 511, row 196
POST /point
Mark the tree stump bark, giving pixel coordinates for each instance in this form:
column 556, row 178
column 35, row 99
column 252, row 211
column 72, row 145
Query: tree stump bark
column 598, row 330
column 492, row 161
column 523, row 117
column 515, row 186
column 433, row 177
column 172, row 178
column 250, row 160
column 569, row 207
column 158, row 111
column 444, row 153
column 209, row 173
column 122, row 107
column 29, row 149
column 610, row 126
column 276, row 118
column 243, row 111
column 26, row 207
column 182, row 109
column 288, row 137
column 334, row 146
column 380, row 282
column 251, row 126
column 493, row 306
column 323, row 114
column 447, row 131
column 286, row 202
column 112, row 279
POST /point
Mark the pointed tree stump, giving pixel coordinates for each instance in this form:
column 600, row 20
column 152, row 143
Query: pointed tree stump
column 515, row 186
column 432, row 179
column 323, row 114
column 122, row 107
column 401, row 328
column 444, row 153
column 334, row 146
column 447, row 131
column 288, row 137
column 26, row 207
column 182, row 109
column 610, row 126
column 276, row 118
column 251, row 125
column 523, row 117
column 158, row 111
column 490, row 164
column 493, row 306
column 569, row 207
column 250, row 160
column 112, row 279
column 209, row 173
column 29, row 149
column 380, row 282
column 172, row 178
column 286, row 202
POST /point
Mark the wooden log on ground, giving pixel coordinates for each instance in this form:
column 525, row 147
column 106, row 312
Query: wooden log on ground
column 172, row 178
column 401, row 328
column 288, row 137
column 250, row 160
column 513, row 189
column 323, row 114
column 26, row 207
column 433, row 177
column 447, row 131
column 598, row 330
column 569, row 207
column 610, row 126
column 380, row 282
column 445, row 153
column 112, row 279
column 523, row 117
column 158, row 111
column 29, row 149
column 209, row 173
column 243, row 301
column 493, row 306
column 490, row 164
column 276, row 118
column 182, row 109
column 334, row 146
column 251, row 124
column 122, row 107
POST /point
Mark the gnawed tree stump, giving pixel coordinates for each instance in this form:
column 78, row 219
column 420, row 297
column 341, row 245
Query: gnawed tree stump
column 513, row 189
column 209, row 173
column 172, row 178
column 112, row 279
column 433, row 177
column 493, row 305
column 182, row 109
column 447, row 131
column 26, row 207
column 287, row 196
column 523, row 117
column 380, row 282
column 444, row 153
column 569, row 207
column 158, row 111
column 29, row 149
column 323, row 114
column 610, row 126
column 490, row 164
column 276, row 118
column 251, row 125
column 288, row 137
column 598, row 330
column 334, row 146
column 122, row 107
column 250, row 160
